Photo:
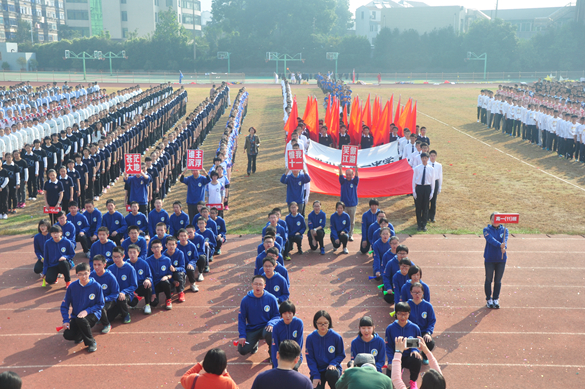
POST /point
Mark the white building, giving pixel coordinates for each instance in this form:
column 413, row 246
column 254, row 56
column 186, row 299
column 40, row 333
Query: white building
column 120, row 17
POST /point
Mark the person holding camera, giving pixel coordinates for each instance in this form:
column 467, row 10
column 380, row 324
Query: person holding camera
column 364, row 375
column 432, row 379
column 404, row 328
column 496, row 240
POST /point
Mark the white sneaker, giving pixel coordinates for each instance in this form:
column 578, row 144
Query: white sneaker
column 147, row 309
column 34, row 199
column 200, row 277
column 478, row 121
column 194, row 288
column 5, row 216
column 345, row 251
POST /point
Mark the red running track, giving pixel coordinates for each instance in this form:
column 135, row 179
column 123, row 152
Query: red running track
column 534, row 341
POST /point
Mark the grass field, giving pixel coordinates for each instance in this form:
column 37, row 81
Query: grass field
column 484, row 171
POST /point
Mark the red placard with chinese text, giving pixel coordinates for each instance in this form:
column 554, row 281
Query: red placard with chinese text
column 194, row 159
column 295, row 159
column 502, row 218
column 349, row 155
column 132, row 162
column 51, row 210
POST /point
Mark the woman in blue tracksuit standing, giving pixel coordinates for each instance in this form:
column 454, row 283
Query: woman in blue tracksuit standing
column 496, row 239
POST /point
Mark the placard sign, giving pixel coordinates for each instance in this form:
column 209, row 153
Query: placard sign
column 295, row 159
column 349, row 155
column 132, row 162
column 509, row 218
column 52, row 210
column 218, row 206
column 194, row 159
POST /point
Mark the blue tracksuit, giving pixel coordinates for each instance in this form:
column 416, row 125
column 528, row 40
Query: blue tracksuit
column 39, row 245
column 392, row 267
column 315, row 220
column 115, row 222
column 296, row 224
column 280, row 232
column 142, row 271
column 278, row 286
column 105, row 249
column 138, row 220
column 410, row 330
column 295, row 187
column 80, row 223
column 211, row 225
column 398, row 280
column 380, row 248
column 322, row 351
column 376, row 234
column 177, row 260
column 257, row 312
column 208, row 236
column 349, row 191
column 423, row 315
column 282, row 332
column 280, row 269
column 199, row 243
column 405, row 294
column 367, row 219
column 95, row 221
column 126, row 278
column 154, row 218
column 88, row 298
column 260, row 261
column 371, row 229
column 138, row 189
column 53, row 251
column 261, row 247
column 338, row 224
column 163, row 240
column 68, row 231
column 493, row 239
column 159, row 268
column 195, row 188
column 140, row 242
column 190, row 254
column 178, row 222
column 221, row 229
column 109, row 285
column 376, row 347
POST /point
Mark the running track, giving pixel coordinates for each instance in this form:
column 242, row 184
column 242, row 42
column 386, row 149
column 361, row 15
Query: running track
column 534, row 341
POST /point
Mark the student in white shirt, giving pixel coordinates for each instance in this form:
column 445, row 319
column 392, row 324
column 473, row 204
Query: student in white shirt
column 423, row 187
column 214, row 189
column 438, row 176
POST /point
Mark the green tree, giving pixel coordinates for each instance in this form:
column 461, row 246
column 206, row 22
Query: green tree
column 498, row 39
column 21, row 61
column 22, row 31
column 168, row 28
column 343, row 21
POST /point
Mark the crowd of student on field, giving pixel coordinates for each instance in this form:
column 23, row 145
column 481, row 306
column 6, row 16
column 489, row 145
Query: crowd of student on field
column 548, row 114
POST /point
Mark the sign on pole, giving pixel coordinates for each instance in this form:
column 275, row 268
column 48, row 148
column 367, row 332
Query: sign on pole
column 510, row 218
column 349, row 155
column 295, row 159
column 194, row 159
column 132, row 163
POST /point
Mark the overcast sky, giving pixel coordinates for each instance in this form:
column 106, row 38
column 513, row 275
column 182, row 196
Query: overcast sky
column 475, row 4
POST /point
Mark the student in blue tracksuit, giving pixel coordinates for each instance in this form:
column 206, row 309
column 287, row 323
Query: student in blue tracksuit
column 495, row 257
column 280, row 269
column 135, row 238
column 268, row 241
column 103, row 246
column 139, row 185
column 411, row 358
column 349, row 184
column 375, row 225
column 196, row 184
column 400, row 278
column 81, row 225
column 39, row 244
column 414, row 276
column 369, row 217
column 160, row 268
column 273, row 221
column 115, row 222
column 258, row 314
column 193, row 259
column 66, row 226
column 423, row 315
column 135, row 218
column 178, row 219
column 157, row 215
column 127, row 281
column 289, row 327
column 161, row 234
column 94, row 218
column 383, row 224
column 58, row 257
column 296, row 228
column 316, row 232
column 380, row 247
column 110, row 288
column 390, row 254
column 339, row 225
column 276, row 284
column 271, row 252
column 209, row 238
column 295, row 185
column 324, row 352
column 86, row 299
column 368, row 342
column 221, row 235
column 177, row 266
column 280, row 221
column 143, row 278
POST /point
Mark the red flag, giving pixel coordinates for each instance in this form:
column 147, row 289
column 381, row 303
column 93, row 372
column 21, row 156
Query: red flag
column 307, row 109
column 345, row 115
column 311, row 118
column 381, row 129
column 376, row 113
column 397, row 116
column 353, row 76
column 328, row 112
column 367, row 115
column 355, row 122
column 292, row 122
column 412, row 119
column 402, row 122
column 334, row 130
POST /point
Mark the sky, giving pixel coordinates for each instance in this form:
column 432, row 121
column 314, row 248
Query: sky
column 475, row 4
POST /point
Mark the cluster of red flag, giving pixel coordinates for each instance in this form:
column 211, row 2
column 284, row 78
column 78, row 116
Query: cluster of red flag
column 376, row 117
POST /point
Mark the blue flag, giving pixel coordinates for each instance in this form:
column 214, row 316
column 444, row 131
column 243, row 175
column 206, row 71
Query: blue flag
column 180, row 77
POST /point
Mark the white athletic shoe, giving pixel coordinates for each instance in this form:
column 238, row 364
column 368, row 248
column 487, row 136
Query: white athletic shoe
column 345, row 251
column 34, row 199
column 5, row 216
column 200, row 277
column 194, row 288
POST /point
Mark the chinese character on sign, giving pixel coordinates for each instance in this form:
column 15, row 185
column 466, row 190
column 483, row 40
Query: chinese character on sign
column 349, row 155
column 132, row 162
column 195, row 159
column 295, row 159
column 507, row 218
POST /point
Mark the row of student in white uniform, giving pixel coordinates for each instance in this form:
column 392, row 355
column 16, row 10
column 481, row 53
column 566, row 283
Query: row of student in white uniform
column 553, row 127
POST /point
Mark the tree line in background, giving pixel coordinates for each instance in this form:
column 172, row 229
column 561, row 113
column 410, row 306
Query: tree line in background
column 247, row 30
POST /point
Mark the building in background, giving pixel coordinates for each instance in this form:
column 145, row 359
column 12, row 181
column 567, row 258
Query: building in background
column 9, row 54
column 412, row 15
column 123, row 17
column 45, row 17
column 531, row 21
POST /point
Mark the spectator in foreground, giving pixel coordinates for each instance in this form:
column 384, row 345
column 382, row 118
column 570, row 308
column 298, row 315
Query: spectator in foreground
column 10, row 380
column 432, row 379
column 364, row 375
column 284, row 376
column 211, row 373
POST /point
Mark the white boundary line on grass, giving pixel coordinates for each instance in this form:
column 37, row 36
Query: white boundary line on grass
column 503, row 152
